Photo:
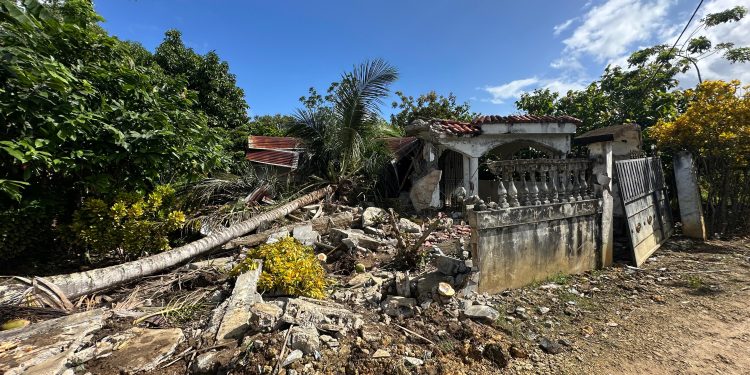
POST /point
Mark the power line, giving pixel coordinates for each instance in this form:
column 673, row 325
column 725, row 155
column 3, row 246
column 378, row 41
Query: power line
column 675, row 43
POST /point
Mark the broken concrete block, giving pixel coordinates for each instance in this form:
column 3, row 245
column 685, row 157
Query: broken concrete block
column 294, row 356
column 449, row 266
column 408, row 226
column 306, row 235
column 403, row 284
column 265, row 317
column 234, row 323
column 44, row 347
column 305, row 339
column 424, row 192
column 427, row 284
column 373, row 216
column 323, row 315
column 482, row 313
column 356, row 238
column 142, row 349
column 399, row 306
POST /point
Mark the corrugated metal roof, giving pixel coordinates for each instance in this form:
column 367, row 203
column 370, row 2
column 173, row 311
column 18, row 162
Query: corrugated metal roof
column 400, row 146
column 280, row 158
column 273, row 143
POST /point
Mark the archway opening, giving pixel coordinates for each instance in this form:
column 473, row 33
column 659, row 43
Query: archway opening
column 488, row 183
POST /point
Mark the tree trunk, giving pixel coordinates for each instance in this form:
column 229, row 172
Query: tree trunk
column 322, row 224
column 81, row 283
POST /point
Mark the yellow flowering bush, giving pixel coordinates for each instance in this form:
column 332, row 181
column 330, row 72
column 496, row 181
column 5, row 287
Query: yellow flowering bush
column 715, row 129
column 133, row 225
column 716, row 124
column 289, row 268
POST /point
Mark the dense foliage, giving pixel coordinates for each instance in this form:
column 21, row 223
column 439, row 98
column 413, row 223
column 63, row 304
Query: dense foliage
column 289, row 268
column 715, row 129
column 429, row 106
column 134, row 225
column 84, row 114
column 342, row 131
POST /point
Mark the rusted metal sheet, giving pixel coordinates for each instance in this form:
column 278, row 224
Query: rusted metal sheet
column 279, row 158
column 644, row 196
column 273, row 143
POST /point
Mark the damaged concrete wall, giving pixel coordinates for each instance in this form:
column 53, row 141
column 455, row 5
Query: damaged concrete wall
column 516, row 246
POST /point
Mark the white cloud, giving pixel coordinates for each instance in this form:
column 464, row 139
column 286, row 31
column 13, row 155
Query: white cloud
column 716, row 66
column 562, row 27
column 611, row 29
column 509, row 90
column 514, row 89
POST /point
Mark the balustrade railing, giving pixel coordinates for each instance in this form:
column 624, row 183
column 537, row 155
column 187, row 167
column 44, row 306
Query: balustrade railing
column 533, row 182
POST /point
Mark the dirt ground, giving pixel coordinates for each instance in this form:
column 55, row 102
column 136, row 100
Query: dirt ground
column 687, row 312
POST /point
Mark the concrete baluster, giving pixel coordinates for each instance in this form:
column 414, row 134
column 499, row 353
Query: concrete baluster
column 501, row 191
column 512, row 191
column 568, row 180
column 544, row 193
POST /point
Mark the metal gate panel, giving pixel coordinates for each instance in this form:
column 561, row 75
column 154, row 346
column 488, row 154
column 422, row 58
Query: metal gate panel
column 644, row 196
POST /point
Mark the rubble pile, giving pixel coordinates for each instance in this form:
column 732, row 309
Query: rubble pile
column 378, row 317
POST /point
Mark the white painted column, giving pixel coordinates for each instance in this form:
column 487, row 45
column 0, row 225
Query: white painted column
column 467, row 175
column 474, row 176
column 601, row 152
column 688, row 196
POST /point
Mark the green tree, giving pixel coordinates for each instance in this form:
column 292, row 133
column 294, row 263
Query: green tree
column 696, row 48
column 429, row 106
column 218, row 95
column 84, row 113
column 642, row 95
column 341, row 131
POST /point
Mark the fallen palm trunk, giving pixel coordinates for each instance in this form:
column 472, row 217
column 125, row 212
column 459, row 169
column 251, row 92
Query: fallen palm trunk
column 81, row 283
column 321, row 224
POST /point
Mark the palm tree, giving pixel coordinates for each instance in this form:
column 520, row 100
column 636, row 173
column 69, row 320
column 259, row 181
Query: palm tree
column 343, row 139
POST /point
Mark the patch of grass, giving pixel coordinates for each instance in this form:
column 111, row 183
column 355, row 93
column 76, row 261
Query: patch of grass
column 559, row 278
column 694, row 282
column 446, row 345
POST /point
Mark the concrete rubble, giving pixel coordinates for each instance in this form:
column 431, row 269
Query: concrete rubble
column 376, row 313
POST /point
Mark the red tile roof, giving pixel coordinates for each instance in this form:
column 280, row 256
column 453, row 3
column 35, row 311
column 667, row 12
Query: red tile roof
column 475, row 126
column 280, row 158
column 273, row 143
column 459, row 128
column 524, row 119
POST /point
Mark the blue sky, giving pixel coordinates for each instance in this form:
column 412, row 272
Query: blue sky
column 485, row 52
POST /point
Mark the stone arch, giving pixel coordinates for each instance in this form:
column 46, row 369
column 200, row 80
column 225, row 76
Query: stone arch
column 508, row 150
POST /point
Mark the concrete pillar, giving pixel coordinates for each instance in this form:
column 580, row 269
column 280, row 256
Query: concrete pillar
column 467, row 175
column 688, row 195
column 474, row 176
column 601, row 152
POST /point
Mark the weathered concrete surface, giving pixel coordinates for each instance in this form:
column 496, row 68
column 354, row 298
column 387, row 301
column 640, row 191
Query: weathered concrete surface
column 142, row 349
column 602, row 172
column 688, row 195
column 517, row 246
column 234, row 323
column 425, row 190
column 44, row 348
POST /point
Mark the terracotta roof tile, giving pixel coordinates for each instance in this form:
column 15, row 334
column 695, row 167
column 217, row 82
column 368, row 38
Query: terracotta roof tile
column 459, row 128
column 523, row 119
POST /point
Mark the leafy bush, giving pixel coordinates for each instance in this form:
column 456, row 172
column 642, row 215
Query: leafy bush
column 289, row 268
column 22, row 229
column 133, row 225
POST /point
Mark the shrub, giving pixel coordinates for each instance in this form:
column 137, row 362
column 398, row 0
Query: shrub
column 133, row 225
column 289, row 268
